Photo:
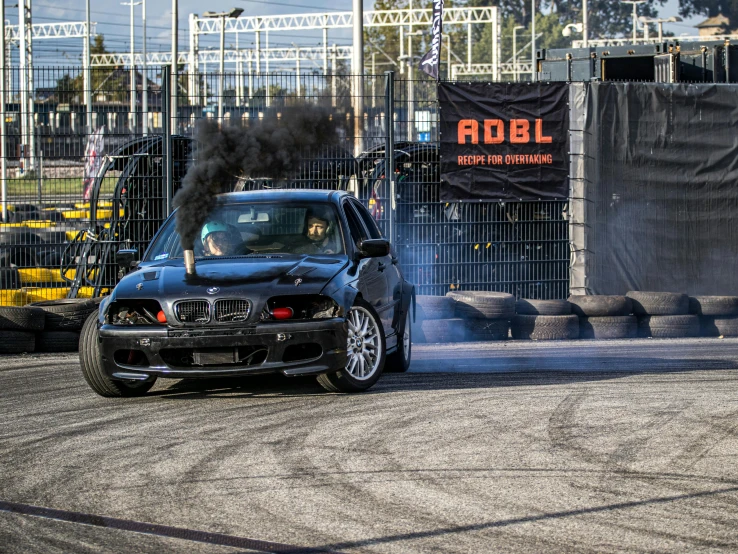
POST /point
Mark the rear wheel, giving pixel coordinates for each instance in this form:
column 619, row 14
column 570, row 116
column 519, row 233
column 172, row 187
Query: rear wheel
column 92, row 367
column 366, row 350
column 399, row 360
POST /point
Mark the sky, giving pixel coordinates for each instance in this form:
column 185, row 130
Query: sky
column 113, row 21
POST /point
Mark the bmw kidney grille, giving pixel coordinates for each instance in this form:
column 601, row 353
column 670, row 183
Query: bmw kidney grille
column 232, row 310
column 193, row 311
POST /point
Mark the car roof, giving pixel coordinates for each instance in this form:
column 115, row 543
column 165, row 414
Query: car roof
column 294, row 195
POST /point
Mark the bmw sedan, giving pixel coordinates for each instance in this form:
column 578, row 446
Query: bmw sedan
column 294, row 282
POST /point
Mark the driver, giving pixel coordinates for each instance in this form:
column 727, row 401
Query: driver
column 217, row 239
column 317, row 233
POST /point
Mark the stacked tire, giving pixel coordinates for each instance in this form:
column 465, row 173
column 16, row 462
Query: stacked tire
column 604, row 316
column 63, row 322
column 718, row 315
column 544, row 320
column 485, row 316
column 664, row 315
column 435, row 321
column 18, row 327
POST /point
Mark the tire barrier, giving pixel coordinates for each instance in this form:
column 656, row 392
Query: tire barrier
column 545, row 327
column 659, row 303
column 668, row 326
column 608, row 327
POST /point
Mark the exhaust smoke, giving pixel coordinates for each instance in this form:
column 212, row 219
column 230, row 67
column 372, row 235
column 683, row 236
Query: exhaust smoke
column 271, row 148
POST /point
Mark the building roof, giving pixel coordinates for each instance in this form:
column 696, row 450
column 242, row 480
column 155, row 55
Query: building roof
column 718, row 21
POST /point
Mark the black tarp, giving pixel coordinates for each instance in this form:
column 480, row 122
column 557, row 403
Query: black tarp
column 661, row 165
column 504, row 141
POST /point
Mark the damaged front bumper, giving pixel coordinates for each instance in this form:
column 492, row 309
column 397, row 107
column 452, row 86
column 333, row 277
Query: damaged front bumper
column 139, row 352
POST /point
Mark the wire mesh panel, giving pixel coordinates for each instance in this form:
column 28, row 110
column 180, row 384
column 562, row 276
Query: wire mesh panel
column 517, row 247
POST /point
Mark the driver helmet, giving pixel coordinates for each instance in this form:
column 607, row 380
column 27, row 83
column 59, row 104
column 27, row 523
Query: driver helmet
column 212, row 227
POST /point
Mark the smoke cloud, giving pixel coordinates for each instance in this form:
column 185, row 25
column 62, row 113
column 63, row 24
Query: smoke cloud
column 271, row 148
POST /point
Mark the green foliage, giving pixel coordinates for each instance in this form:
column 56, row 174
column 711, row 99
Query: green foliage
column 711, row 8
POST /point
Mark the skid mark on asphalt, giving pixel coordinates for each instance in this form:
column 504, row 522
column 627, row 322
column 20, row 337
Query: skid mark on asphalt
column 538, row 518
column 218, row 539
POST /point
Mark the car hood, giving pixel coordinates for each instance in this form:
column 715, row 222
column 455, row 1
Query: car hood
column 229, row 277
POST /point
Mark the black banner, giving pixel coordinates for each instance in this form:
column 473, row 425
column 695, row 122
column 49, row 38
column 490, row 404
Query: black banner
column 504, row 141
column 429, row 63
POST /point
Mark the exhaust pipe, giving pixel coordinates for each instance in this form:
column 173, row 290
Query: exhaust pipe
column 189, row 261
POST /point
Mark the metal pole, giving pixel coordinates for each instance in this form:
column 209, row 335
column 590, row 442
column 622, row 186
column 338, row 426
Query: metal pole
column 175, row 59
column 661, row 30
column 358, row 70
column 374, row 80
column 193, row 79
column 145, row 83
column 410, row 89
column 515, row 53
column 389, row 148
column 239, row 74
column 267, row 97
column 297, row 74
column 448, row 56
column 251, row 77
column 585, row 25
column 468, row 46
column 334, row 67
column 86, row 69
column 221, row 68
column 26, row 78
column 635, row 23
column 257, row 47
column 3, row 137
column 533, row 40
column 325, row 49
column 133, row 76
column 402, row 49
column 167, row 120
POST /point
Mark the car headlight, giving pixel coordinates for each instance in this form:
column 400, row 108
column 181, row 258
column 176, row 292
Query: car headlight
column 300, row 307
column 135, row 312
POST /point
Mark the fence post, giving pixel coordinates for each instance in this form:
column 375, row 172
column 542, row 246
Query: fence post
column 166, row 108
column 389, row 147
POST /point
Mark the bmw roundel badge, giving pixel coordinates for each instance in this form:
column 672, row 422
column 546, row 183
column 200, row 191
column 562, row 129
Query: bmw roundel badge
column 213, row 290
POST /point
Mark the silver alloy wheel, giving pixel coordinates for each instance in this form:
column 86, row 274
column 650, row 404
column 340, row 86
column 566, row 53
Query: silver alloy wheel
column 406, row 337
column 363, row 344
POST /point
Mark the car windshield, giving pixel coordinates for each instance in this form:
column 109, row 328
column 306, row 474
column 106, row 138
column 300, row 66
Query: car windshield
column 257, row 228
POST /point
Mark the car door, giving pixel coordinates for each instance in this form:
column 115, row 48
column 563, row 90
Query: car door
column 373, row 282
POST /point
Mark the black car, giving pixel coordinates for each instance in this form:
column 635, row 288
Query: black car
column 267, row 293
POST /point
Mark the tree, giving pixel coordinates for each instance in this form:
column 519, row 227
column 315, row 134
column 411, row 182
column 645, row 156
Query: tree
column 710, row 8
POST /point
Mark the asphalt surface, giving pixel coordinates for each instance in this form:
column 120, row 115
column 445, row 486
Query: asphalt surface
column 514, row 447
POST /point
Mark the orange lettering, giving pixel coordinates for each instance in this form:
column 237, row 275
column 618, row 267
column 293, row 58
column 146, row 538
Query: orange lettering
column 499, row 131
column 540, row 139
column 519, row 131
column 468, row 128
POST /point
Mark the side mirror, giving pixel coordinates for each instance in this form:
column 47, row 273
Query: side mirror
column 126, row 259
column 373, row 248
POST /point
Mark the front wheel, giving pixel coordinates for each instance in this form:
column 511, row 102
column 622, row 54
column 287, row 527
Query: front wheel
column 92, row 366
column 366, row 350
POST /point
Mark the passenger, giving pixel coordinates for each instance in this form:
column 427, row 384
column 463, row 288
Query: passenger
column 318, row 233
column 218, row 239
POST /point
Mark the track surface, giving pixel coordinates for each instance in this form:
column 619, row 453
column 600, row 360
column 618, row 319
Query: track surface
column 576, row 447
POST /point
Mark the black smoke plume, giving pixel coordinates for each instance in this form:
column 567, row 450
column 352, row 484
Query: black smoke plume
column 272, row 148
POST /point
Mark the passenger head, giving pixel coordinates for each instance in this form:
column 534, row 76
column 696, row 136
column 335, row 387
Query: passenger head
column 217, row 239
column 317, row 224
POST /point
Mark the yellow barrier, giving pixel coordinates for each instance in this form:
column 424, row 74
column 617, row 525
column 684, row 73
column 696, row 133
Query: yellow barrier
column 39, row 224
column 38, row 275
column 26, row 295
column 13, row 297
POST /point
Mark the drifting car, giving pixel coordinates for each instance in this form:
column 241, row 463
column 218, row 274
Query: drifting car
column 278, row 300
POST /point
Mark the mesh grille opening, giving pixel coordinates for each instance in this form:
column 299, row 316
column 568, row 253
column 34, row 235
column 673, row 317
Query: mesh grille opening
column 193, row 311
column 232, row 310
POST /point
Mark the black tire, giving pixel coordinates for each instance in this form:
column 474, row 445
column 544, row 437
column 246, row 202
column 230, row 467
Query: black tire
column 9, row 278
column 66, row 314
column 17, row 342
column 601, row 305
column 668, row 326
column 526, row 306
column 57, row 341
column 21, row 318
column 483, row 305
column 608, row 327
column 92, row 367
column 443, row 330
column 713, row 305
column 719, row 326
column 342, row 380
column 399, row 360
column 436, row 307
column 545, row 327
column 659, row 303
column 486, row 329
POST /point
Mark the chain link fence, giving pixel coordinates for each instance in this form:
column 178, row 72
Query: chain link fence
column 76, row 193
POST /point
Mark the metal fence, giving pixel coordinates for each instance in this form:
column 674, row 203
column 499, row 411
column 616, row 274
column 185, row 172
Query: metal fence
column 76, row 193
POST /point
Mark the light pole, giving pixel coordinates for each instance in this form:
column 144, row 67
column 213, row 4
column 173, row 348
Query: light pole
column 635, row 16
column 585, row 24
column 660, row 22
column 145, row 83
column 233, row 12
column 533, row 40
column 515, row 50
column 132, row 115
